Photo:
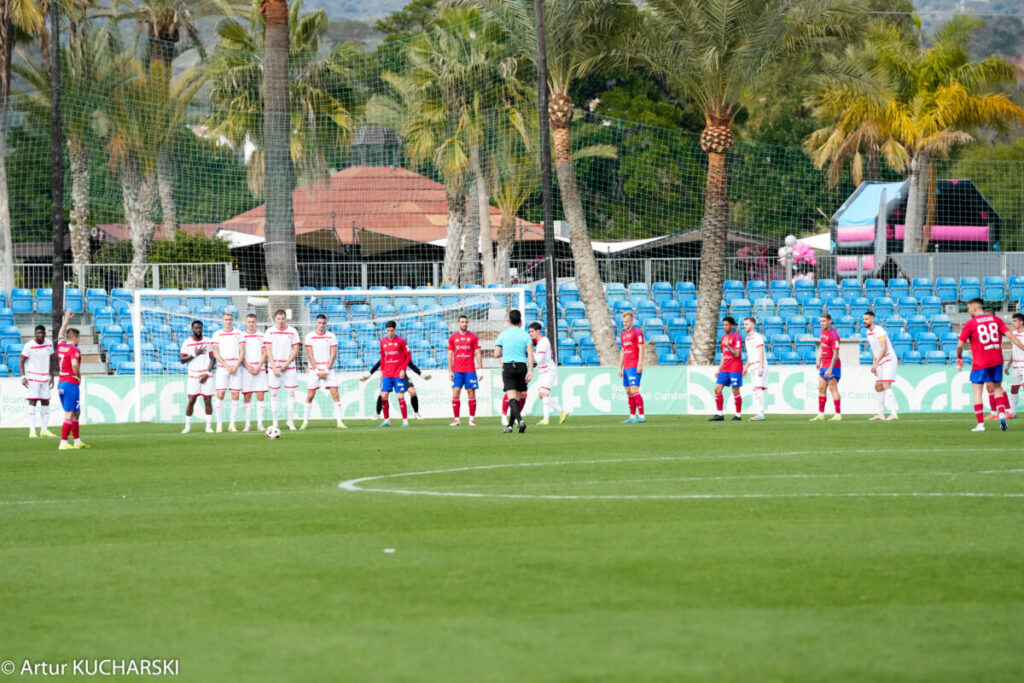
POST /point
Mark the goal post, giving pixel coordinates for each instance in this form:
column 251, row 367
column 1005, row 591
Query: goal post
column 161, row 320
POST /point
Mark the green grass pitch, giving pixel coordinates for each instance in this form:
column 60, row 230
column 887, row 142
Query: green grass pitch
column 679, row 550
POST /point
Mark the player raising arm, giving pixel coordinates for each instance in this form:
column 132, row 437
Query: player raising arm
column 985, row 333
column 464, row 357
column 829, row 369
column 883, row 367
column 1016, row 364
column 757, row 366
column 631, row 367
column 37, row 378
column 730, row 372
column 69, row 360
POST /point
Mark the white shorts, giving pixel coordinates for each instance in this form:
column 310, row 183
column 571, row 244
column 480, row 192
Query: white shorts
column 227, row 382
column 758, row 376
column 313, row 381
column 253, row 384
column 289, row 378
column 548, row 379
column 1018, row 376
column 38, row 391
column 886, row 372
column 196, row 388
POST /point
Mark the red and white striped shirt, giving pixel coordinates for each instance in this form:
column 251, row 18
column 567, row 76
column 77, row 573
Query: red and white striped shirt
column 37, row 360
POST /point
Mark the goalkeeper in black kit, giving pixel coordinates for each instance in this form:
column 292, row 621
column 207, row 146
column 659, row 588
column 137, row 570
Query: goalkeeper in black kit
column 414, row 400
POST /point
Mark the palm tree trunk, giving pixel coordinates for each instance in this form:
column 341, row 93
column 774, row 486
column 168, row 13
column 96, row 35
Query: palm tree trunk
column 471, row 242
column 277, row 162
column 587, row 275
column 6, row 246
column 167, row 180
column 506, row 238
column 79, row 156
column 712, row 260
column 453, row 246
column 483, row 204
column 139, row 192
column 917, row 203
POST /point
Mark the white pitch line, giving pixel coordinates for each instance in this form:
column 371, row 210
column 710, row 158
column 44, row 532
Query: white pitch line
column 355, row 485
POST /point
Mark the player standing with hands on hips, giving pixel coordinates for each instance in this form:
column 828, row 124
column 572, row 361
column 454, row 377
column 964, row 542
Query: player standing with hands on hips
column 515, row 350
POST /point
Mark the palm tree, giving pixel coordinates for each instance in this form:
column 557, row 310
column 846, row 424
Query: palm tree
column 577, row 42
column 27, row 17
column 920, row 101
column 321, row 91
column 514, row 175
column 87, row 76
column 145, row 109
column 164, row 22
column 717, row 53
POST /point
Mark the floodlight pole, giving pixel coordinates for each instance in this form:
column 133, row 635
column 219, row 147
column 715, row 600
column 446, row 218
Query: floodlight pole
column 545, row 175
column 56, row 170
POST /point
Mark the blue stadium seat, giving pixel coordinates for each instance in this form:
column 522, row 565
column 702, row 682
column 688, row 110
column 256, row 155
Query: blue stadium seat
column 681, row 341
column 1016, row 287
column 779, row 289
column 732, row 289
column 850, row 288
column 575, row 311
column 781, row 342
column 827, row 288
column 911, row 357
column 670, row 309
column 73, row 299
column 946, row 289
column 898, row 287
column 772, row 325
column 686, row 291
column 22, row 300
column 740, row 308
column 970, row 288
column 803, row 289
column 927, row 341
column 866, row 358
column 993, row 290
column 941, row 323
column 931, row 305
column 907, row 306
column 901, row 342
column 763, row 306
column 757, row 289
column 874, row 288
column 917, row 324
column 568, row 293
column 638, row 291
column 806, row 342
column 921, row 287
column 690, row 310
column 836, row 307
column 669, row 359
column 859, row 306
column 884, row 306
column 645, row 308
column 120, row 294
column 788, row 357
column 580, row 325
column 813, row 307
column 935, row 357
column 661, row 292
column 796, row 325
column 572, row 361
column 653, row 327
column 788, row 306
column 948, row 341
column 677, row 325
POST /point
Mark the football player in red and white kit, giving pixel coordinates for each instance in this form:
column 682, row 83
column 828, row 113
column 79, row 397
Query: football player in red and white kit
column 464, row 357
column 37, row 377
column 883, row 367
column 547, row 370
column 228, row 349
column 1015, row 366
column 730, row 372
column 69, row 360
column 283, row 344
column 195, row 352
column 321, row 352
column 254, row 371
column 829, row 369
column 985, row 333
column 631, row 367
column 757, row 366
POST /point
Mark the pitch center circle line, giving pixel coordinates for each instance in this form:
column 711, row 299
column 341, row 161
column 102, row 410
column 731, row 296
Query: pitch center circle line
column 356, row 485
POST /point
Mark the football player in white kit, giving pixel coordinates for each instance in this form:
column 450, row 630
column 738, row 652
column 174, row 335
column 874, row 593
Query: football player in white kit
column 228, row 347
column 1015, row 366
column 547, row 370
column 321, row 352
column 757, row 366
column 36, row 366
column 195, row 352
column 254, row 373
column 283, row 343
column 883, row 367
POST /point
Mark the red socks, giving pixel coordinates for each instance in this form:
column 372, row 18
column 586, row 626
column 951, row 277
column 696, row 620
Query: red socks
column 386, row 408
column 639, row 401
column 836, row 404
column 979, row 412
column 504, row 404
column 719, row 402
column 472, row 408
column 632, row 403
column 65, row 430
column 992, row 402
column 821, row 405
column 1002, row 403
column 74, row 429
column 401, row 406
column 738, row 400
column 456, row 407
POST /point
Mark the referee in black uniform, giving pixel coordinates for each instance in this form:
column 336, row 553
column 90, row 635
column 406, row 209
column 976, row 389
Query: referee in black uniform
column 515, row 349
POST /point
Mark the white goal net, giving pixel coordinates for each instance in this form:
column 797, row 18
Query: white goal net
column 148, row 346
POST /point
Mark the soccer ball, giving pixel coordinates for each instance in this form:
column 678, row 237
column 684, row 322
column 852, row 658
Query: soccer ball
column 273, row 432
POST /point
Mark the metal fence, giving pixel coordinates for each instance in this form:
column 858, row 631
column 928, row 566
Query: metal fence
column 110, row 275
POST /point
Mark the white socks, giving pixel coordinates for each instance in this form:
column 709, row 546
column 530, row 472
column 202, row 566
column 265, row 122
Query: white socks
column 337, row 411
column 306, row 412
column 234, row 411
column 1013, row 404
column 890, row 401
column 31, row 417
column 218, row 406
column 248, row 412
column 44, row 417
column 291, row 405
column 273, row 406
column 880, row 398
column 759, row 401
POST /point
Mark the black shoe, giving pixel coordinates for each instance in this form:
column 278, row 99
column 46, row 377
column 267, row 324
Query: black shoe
column 737, row 418
column 716, row 418
column 507, row 430
column 522, row 426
